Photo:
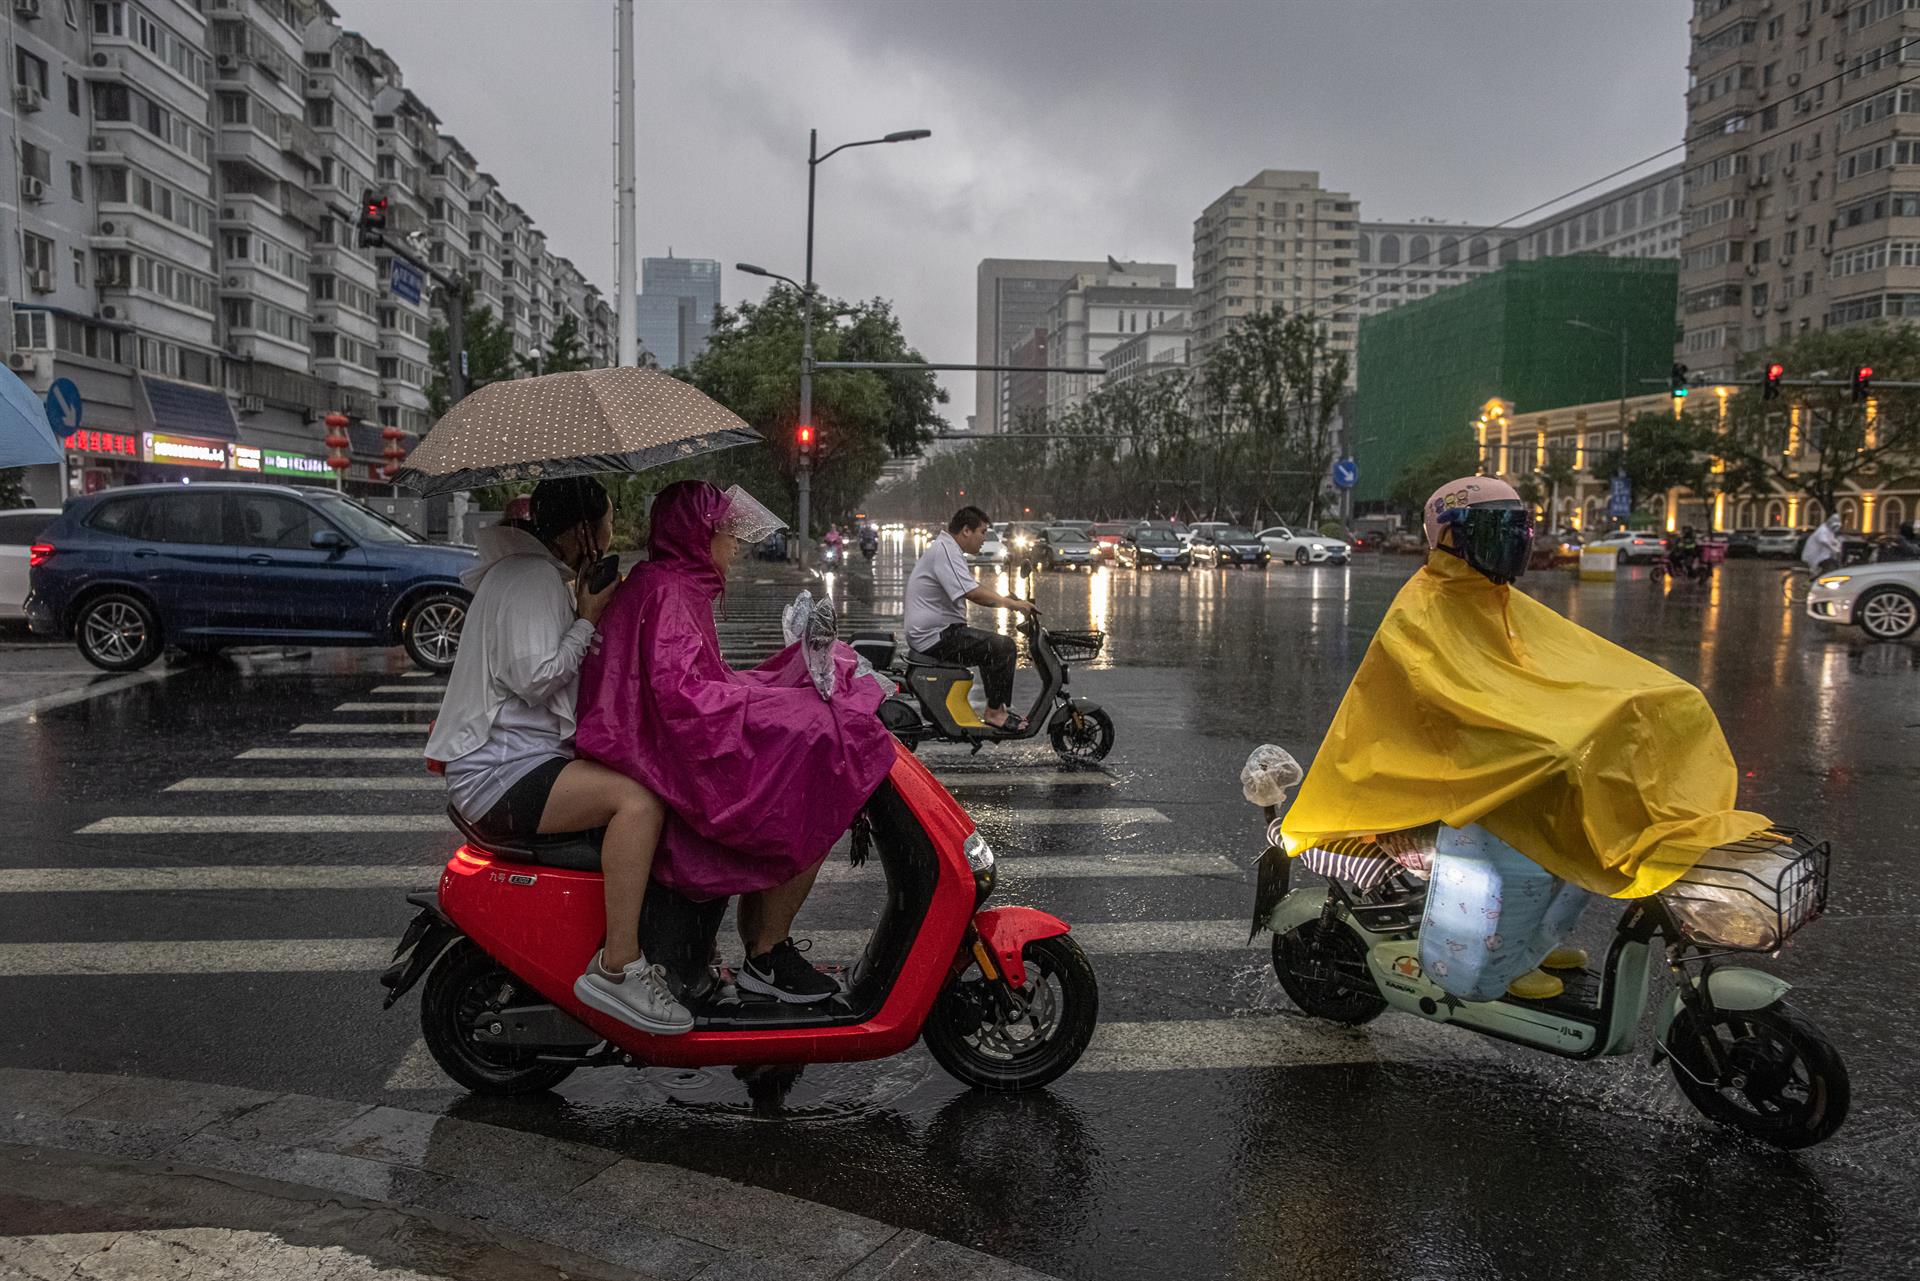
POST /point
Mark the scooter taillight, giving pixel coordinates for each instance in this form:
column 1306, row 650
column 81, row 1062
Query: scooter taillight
column 472, row 858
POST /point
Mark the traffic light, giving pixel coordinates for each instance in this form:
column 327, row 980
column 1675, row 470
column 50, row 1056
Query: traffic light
column 803, row 436
column 1678, row 383
column 1770, row 389
column 372, row 223
column 1862, row 381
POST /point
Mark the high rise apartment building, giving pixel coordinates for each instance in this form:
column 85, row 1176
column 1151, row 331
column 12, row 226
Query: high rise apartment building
column 1096, row 311
column 1012, row 298
column 1802, row 145
column 1280, row 241
column 179, row 242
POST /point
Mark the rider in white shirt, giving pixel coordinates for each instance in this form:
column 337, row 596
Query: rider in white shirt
column 936, row 615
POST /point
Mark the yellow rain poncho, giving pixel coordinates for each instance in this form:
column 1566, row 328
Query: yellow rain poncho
column 1477, row 704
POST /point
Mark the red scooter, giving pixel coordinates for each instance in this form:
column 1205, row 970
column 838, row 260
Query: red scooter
column 1004, row 998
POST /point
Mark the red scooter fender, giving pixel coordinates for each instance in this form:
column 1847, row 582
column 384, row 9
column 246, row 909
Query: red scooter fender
column 1007, row 930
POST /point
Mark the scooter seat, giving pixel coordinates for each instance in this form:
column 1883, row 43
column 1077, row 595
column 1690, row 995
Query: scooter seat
column 917, row 659
column 572, row 851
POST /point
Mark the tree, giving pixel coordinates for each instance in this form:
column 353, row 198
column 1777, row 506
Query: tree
column 1445, row 460
column 1662, row 452
column 13, row 488
column 565, row 352
column 1833, row 447
column 1277, row 379
column 490, row 358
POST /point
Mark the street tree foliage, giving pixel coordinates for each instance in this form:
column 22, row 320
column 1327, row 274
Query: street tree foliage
column 1834, row 448
column 1663, row 452
column 1444, row 460
column 565, row 352
column 13, row 487
column 1248, row 437
column 490, row 358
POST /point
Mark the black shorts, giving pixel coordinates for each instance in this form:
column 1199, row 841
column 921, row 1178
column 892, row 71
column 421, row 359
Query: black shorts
column 516, row 815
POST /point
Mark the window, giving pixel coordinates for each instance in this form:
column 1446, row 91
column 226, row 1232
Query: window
column 183, row 518
column 73, row 96
column 29, row 71
column 124, row 516
column 36, row 252
column 80, row 268
column 269, row 520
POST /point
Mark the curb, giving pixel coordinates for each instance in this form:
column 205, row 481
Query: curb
column 652, row 1219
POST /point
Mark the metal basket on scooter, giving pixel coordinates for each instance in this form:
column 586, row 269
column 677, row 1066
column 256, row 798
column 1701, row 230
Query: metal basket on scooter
column 1077, row 647
column 1752, row 895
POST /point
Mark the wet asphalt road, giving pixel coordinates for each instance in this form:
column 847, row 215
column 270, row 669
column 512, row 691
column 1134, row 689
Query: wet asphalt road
column 1212, row 1130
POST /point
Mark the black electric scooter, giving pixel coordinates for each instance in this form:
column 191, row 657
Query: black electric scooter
column 932, row 704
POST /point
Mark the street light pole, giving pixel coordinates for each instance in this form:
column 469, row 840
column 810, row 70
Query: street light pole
column 803, row 477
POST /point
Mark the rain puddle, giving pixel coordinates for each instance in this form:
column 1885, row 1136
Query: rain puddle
column 815, row 1092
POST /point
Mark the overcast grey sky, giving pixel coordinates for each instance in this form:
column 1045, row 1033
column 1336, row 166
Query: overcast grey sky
column 1062, row 128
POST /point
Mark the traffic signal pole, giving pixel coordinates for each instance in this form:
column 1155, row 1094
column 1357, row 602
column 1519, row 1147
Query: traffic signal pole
column 370, row 226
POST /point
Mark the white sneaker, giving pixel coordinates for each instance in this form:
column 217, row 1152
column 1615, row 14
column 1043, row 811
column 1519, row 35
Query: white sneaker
column 639, row 997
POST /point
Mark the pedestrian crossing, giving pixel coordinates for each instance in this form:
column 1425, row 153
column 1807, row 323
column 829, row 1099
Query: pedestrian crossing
column 1143, row 894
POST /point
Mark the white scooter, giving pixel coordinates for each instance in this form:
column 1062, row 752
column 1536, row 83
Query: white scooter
column 1741, row 1054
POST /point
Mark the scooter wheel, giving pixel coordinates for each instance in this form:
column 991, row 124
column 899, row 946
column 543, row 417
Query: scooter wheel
column 1787, row 1084
column 970, row 1036
column 1324, row 970
column 1090, row 741
column 463, row 985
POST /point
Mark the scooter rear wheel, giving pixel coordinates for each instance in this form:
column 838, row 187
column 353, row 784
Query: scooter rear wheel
column 968, row 1034
column 463, row 985
column 1792, row 1089
column 1085, row 743
column 1324, row 970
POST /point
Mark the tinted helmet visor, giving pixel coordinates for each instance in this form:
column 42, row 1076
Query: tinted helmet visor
column 1496, row 541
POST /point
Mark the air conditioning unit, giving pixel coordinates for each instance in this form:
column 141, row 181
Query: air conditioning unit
column 21, row 362
column 252, row 404
column 1826, row 251
column 41, row 282
column 27, row 98
column 1793, row 77
column 27, row 8
column 1761, row 310
column 226, row 62
column 1752, row 270
column 1785, row 263
column 33, row 189
column 110, row 61
column 232, row 282
column 1781, row 305
column 97, row 142
column 1752, row 227
column 1793, row 215
column 1787, row 170
column 108, row 227
column 109, row 313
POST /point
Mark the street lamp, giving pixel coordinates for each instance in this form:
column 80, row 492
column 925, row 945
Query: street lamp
column 815, row 159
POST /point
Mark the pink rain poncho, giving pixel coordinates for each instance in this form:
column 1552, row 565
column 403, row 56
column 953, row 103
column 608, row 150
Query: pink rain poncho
column 760, row 777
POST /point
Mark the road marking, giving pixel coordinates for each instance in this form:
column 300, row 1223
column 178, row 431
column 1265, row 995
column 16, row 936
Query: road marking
column 420, row 676
column 1042, row 778
column 428, row 783
column 418, row 1071
column 1272, row 1040
column 371, row 727
column 436, row 821
column 408, row 689
column 329, row 754
column 413, row 876
column 425, row 782
column 342, row 956
column 389, row 707
column 98, row 688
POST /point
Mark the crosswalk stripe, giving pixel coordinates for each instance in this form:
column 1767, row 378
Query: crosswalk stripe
column 329, row 753
column 340, row 956
column 1272, row 1040
column 433, row 690
column 1041, row 778
column 396, row 876
column 418, row 706
column 436, row 821
column 419, row 676
column 425, row 782
column 371, row 727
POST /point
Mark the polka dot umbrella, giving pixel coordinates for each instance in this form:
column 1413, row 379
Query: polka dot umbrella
column 571, row 424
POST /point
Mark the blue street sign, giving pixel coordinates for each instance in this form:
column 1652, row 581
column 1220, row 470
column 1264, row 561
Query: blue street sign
column 1346, row 474
column 63, row 406
column 1620, row 500
column 407, row 280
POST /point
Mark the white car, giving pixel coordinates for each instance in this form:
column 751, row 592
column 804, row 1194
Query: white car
column 1630, row 545
column 19, row 530
column 1303, row 548
column 992, row 551
column 1884, row 598
column 1777, row 541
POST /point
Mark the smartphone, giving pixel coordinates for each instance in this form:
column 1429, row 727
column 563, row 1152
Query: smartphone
column 601, row 576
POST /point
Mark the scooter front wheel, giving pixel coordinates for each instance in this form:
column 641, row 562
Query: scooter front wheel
column 980, row 1040
column 1323, row 968
column 1785, row 1083
column 464, row 984
column 1085, row 742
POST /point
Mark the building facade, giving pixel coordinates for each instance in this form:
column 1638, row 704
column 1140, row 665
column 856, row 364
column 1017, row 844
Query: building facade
column 1094, row 312
column 1281, row 241
column 179, row 250
column 1012, row 298
column 1802, row 209
column 1024, row 395
column 678, row 300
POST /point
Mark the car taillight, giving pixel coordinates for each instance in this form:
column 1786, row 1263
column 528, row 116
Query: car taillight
column 39, row 554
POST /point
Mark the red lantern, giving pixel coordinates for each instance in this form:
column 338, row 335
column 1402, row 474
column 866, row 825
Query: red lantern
column 339, row 464
column 338, row 442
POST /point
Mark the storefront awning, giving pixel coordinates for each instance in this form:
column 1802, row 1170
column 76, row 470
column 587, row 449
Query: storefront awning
column 186, row 410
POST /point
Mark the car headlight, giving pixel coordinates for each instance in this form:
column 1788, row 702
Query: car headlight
column 1833, row 580
column 979, row 853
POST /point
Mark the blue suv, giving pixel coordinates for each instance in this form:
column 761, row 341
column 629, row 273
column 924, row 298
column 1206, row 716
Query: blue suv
column 128, row 571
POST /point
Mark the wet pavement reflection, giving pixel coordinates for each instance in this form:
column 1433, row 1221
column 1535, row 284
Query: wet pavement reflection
column 1212, row 1128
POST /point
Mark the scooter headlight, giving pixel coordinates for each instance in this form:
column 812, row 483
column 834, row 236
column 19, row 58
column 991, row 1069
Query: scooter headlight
column 979, row 853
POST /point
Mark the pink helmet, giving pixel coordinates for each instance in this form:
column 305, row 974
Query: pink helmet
column 1468, row 491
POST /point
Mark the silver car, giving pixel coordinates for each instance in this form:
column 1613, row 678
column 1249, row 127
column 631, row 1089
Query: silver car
column 19, row 530
column 1883, row 598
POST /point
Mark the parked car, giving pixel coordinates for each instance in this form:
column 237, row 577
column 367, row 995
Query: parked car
column 1178, row 528
column 1223, row 545
column 1743, row 542
column 1405, row 543
column 1149, row 547
column 1022, row 543
column 1082, row 525
column 1194, row 530
column 992, row 551
column 128, row 571
column 1064, row 547
column 1552, row 549
column 1303, row 548
column 1106, row 537
column 19, row 530
column 1629, row 545
column 1777, row 540
column 1883, row 599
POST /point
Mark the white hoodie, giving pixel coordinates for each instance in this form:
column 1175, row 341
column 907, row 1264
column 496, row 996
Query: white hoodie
column 509, row 703
column 1822, row 545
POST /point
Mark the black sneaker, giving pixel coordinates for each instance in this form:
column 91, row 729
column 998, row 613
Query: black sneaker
column 785, row 975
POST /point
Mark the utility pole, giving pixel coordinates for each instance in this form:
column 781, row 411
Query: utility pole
column 803, row 479
column 627, row 286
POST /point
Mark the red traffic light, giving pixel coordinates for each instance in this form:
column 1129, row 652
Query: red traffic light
column 804, row 435
column 1866, row 371
column 1776, row 370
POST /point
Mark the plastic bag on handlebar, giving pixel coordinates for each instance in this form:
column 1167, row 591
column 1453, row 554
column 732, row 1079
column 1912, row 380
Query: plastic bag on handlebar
column 823, row 624
column 1269, row 774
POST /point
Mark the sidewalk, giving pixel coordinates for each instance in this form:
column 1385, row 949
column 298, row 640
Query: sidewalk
column 112, row 1176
